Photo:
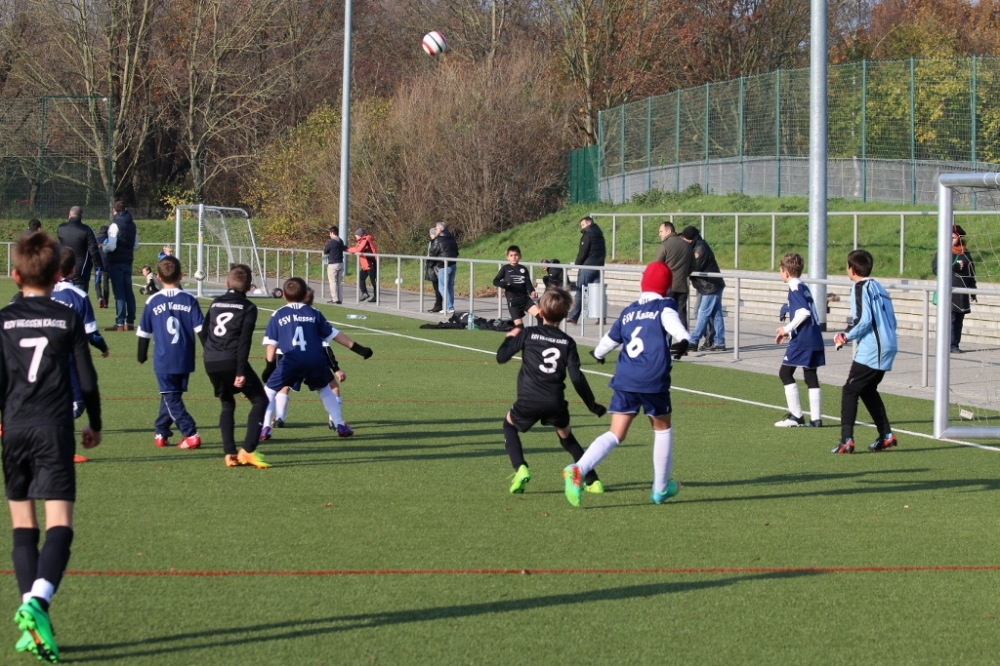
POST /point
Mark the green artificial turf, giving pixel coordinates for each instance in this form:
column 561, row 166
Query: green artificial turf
column 318, row 547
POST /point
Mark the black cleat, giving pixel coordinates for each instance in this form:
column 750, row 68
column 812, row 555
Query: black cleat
column 279, row 423
column 883, row 443
column 846, row 446
column 816, row 423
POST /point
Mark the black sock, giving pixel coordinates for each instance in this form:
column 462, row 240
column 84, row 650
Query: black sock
column 25, row 556
column 255, row 422
column 512, row 442
column 227, row 426
column 54, row 558
column 573, row 448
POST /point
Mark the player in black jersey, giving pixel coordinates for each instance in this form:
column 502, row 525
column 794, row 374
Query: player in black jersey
column 515, row 280
column 227, row 337
column 547, row 354
column 37, row 336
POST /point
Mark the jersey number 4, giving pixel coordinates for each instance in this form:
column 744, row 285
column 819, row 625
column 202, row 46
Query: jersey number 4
column 299, row 339
column 36, row 357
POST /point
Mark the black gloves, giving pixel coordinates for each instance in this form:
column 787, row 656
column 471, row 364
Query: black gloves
column 599, row 360
column 269, row 369
column 362, row 351
column 680, row 349
column 598, row 410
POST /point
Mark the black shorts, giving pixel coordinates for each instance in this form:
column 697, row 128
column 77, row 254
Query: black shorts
column 38, row 463
column 222, row 381
column 526, row 414
column 518, row 306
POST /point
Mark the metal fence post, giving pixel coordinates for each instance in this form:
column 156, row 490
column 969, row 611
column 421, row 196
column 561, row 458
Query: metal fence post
column 614, row 235
column 913, row 137
column 399, row 282
column 774, row 234
column 736, row 322
column 864, row 141
column 902, row 240
column 926, row 342
column 736, row 242
column 855, row 231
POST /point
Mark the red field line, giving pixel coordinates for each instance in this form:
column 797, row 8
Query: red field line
column 541, row 572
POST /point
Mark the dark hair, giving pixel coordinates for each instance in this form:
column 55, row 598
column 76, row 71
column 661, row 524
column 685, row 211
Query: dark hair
column 169, row 270
column 36, row 260
column 240, row 278
column 668, row 225
column 67, row 262
column 310, row 296
column 861, row 262
column 793, row 263
column 147, row 267
column 334, row 230
column 35, row 225
column 295, row 290
column 513, row 248
column 119, row 206
column 555, row 304
column 588, row 219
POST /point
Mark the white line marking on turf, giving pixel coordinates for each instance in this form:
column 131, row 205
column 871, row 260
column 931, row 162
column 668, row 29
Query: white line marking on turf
column 674, row 388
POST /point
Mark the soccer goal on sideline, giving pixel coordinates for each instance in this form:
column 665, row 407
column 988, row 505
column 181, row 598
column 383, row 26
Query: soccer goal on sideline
column 220, row 230
column 967, row 389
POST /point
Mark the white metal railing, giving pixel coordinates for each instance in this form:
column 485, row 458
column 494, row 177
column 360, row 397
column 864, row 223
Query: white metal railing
column 855, row 215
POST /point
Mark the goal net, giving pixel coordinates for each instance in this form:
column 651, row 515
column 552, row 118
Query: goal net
column 967, row 381
column 225, row 236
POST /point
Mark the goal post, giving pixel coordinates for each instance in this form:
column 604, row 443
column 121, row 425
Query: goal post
column 226, row 228
column 951, row 187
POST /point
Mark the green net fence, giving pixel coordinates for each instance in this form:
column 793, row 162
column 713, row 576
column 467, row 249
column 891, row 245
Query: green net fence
column 54, row 153
column 893, row 126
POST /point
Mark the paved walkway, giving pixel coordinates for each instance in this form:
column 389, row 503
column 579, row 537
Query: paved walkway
column 975, row 374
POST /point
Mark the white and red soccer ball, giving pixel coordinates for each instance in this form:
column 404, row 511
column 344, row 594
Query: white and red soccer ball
column 434, row 43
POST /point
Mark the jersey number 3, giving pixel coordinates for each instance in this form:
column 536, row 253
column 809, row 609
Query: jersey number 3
column 550, row 359
column 36, row 357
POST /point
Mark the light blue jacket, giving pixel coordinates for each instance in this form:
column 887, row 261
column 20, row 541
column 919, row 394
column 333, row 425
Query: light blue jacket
column 873, row 325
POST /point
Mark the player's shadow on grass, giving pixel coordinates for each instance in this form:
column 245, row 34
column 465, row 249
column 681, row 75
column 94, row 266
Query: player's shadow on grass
column 211, row 639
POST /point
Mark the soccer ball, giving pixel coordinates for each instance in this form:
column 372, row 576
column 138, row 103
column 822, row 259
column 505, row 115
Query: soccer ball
column 199, row 275
column 434, row 43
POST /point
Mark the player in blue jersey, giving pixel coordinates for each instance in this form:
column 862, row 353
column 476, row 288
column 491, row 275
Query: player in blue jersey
column 805, row 347
column 174, row 318
column 647, row 329
column 298, row 331
column 69, row 294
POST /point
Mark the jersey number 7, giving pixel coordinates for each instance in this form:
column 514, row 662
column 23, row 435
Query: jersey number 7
column 36, row 357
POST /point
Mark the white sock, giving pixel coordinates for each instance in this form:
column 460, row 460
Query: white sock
column 792, row 398
column 663, row 458
column 43, row 589
column 270, row 405
column 26, row 597
column 816, row 403
column 331, row 404
column 281, row 406
column 596, row 452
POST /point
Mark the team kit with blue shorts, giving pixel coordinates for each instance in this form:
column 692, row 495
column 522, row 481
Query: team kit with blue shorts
column 805, row 350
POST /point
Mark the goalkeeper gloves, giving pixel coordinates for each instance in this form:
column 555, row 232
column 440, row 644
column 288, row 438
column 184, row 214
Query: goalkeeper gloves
column 362, row 351
column 597, row 358
column 680, row 349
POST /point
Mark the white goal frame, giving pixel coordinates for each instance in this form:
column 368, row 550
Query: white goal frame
column 260, row 278
column 942, row 364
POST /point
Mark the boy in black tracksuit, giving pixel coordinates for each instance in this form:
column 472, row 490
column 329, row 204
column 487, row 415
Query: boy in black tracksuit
column 227, row 337
column 515, row 280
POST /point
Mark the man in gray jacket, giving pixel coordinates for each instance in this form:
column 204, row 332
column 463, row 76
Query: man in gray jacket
column 678, row 256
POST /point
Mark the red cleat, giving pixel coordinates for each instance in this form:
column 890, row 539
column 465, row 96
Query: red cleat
column 80, row 459
column 161, row 441
column 192, row 442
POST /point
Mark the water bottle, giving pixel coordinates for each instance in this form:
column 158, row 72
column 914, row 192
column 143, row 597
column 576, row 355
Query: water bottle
column 356, row 316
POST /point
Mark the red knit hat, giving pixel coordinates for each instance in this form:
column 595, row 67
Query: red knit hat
column 657, row 278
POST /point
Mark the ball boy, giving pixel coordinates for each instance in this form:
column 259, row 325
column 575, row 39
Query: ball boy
column 227, row 340
column 37, row 337
column 647, row 329
column 805, row 347
column 174, row 317
column 547, row 354
column 873, row 325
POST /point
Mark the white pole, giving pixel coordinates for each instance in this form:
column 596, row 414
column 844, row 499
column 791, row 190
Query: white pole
column 201, row 244
column 345, row 124
column 817, row 156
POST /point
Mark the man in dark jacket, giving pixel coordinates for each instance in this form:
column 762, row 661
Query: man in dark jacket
column 123, row 241
column 709, row 288
column 445, row 246
column 963, row 276
column 74, row 234
column 433, row 267
column 591, row 253
column 678, row 256
column 334, row 251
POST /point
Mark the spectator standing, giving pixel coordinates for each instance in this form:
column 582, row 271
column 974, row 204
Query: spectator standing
column 123, row 241
column 678, row 256
column 445, row 246
column 102, row 281
column 709, row 289
column 365, row 244
column 74, row 234
column 431, row 272
column 963, row 276
column 334, row 251
column 591, row 253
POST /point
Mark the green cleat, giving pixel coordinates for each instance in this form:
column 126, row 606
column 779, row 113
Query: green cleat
column 521, row 478
column 26, row 643
column 571, row 475
column 672, row 489
column 34, row 620
column 596, row 487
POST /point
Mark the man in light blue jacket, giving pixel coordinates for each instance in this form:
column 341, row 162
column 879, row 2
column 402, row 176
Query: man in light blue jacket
column 873, row 325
